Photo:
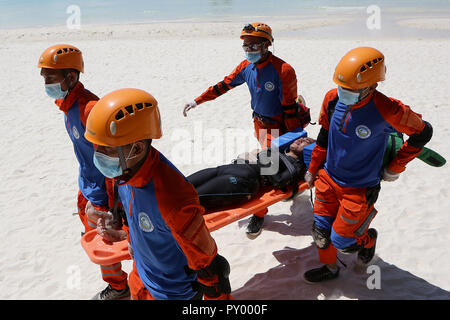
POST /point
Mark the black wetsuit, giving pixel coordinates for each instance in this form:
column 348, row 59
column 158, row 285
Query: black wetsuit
column 236, row 183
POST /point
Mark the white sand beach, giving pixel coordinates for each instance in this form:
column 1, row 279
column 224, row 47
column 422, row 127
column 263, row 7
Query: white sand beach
column 41, row 256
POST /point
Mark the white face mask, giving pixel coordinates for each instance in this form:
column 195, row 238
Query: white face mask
column 348, row 97
column 110, row 166
column 253, row 56
column 254, row 52
column 54, row 91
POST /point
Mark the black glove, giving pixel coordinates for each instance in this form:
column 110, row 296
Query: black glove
column 213, row 279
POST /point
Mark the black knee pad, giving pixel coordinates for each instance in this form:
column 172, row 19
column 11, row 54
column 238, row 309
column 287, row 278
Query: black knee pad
column 321, row 236
column 351, row 249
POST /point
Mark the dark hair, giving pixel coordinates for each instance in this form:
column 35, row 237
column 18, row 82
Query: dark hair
column 66, row 72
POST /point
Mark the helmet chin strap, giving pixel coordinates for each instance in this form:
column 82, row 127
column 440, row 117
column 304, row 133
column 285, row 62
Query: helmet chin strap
column 368, row 91
column 123, row 160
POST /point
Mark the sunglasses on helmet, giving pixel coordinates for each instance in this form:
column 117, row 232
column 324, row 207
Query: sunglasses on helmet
column 250, row 29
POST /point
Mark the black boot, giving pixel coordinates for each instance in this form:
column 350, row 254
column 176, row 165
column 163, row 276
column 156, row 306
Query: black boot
column 365, row 255
column 320, row 274
column 111, row 294
column 254, row 226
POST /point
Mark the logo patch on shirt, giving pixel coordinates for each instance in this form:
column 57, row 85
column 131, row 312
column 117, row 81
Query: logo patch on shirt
column 363, row 132
column 75, row 132
column 269, row 86
column 145, row 223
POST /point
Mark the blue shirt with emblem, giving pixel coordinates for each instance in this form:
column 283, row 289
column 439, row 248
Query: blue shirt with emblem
column 159, row 260
column 272, row 85
column 91, row 181
column 356, row 143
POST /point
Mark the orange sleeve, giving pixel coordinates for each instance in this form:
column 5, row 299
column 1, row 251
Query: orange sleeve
column 189, row 229
column 181, row 210
column 398, row 115
column 402, row 119
column 229, row 82
column 318, row 157
column 288, row 84
column 405, row 154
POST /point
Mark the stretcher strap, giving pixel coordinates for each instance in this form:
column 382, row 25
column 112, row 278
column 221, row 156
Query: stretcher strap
column 292, row 172
column 117, row 215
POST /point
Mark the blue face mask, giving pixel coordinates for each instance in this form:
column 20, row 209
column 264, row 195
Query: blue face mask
column 109, row 166
column 348, row 97
column 253, row 56
column 54, row 91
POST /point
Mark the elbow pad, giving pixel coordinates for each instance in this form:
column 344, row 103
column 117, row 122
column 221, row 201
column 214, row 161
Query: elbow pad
column 322, row 138
column 419, row 140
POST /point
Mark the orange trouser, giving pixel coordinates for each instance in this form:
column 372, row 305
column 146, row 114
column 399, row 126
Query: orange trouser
column 265, row 131
column 112, row 274
column 345, row 213
column 138, row 290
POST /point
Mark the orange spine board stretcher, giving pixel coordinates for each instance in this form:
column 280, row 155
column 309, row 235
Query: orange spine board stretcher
column 217, row 219
column 104, row 252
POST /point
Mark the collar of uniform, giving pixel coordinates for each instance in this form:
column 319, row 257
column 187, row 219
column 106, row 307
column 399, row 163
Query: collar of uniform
column 364, row 101
column 263, row 64
column 69, row 100
column 145, row 173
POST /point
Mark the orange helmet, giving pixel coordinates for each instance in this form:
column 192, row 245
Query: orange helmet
column 62, row 56
column 360, row 68
column 257, row 29
column 122, row 117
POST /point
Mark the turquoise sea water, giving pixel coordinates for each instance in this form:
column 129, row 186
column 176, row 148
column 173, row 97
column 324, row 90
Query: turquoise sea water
column 32, row 13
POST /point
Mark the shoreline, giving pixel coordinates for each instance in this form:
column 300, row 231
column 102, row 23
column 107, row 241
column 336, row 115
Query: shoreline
column 220, row 12
column 333, row 26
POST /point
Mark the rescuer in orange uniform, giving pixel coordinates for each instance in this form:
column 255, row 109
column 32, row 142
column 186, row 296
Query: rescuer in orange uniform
column 175, row 256
column 356, row 121
column 60, row 67
column 272, row 84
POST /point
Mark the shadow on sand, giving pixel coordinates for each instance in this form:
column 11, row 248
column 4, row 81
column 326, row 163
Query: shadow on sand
column 285, row 281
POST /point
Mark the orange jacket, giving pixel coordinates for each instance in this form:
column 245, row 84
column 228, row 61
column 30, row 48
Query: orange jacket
column 375, row 115
column 177, row 203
